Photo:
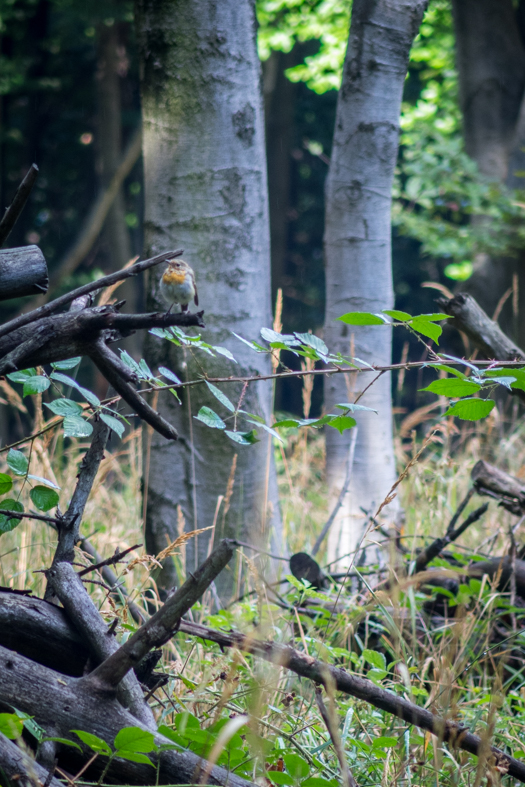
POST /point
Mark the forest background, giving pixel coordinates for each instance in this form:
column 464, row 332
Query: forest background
column 69, row 100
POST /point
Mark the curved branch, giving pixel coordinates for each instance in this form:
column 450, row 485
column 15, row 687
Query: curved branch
column 108, row 363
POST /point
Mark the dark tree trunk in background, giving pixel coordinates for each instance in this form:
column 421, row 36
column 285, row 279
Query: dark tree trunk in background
column 206, row 191
column 279, row 102
column 491, row 65
column 358, row 250
column 109, row 143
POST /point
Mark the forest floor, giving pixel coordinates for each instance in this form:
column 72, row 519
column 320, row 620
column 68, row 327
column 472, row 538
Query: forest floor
column 449, row 663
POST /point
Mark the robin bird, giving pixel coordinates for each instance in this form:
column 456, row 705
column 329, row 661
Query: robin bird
column 177, row 284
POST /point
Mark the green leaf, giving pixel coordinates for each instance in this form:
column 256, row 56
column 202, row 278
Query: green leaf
column 44, row 498
column 296, row 766
column 94, row 742
column 342, row 423
column 471, row 409
column 374, row 658
column 171, row 376
column 64, row 407
column 429, row 329
column 186, row 721
column 135, row 757
column 313, row 341
column 223, row 399
column 376, row 675
column 243, row 438
column 286, row 423
column 354, row 408
column 89, row 396
column 436, row 317
column 397, row 315
column 252, row 345
column 225, row 352
column 7, row 524
column 145, row 371
column 114, row 423
column 17, row 462
column 384, row 742
column 316, row 781
column 285, row 338
column 22, row 376
column 210, row 418
column 363, row 318
column 278, row 777
column 64, row 741
column 452, row 387
column 134, row 739
column 75, row 426
column 130, row 362
column 36, row 385
column 44, row 481
column 450, row 369
column 6, row 482
column 266, row 428
column 11, row 726
column 65, row 365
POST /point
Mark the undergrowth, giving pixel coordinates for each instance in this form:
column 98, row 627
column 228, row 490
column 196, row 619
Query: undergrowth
column 461, row 660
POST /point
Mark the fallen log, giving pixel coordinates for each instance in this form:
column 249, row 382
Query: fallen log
column 23, row 271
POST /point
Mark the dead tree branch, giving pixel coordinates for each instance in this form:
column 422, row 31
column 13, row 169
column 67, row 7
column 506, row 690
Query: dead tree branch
column 456, row 735
column 163, row 624
column 64, row 300
column 12, row 213
column 21, row 769
column 510, row 491
column 23, row 271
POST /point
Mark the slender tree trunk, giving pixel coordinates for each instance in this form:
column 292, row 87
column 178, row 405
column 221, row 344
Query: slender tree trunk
column 358, row 249
column 206, row 191
column 280, row 97
column 491, row 66
column 109, row 143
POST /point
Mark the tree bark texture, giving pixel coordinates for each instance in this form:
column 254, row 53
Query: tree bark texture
column 358, row 248
column 110, row 142
column 206, row 185
column 491, row 65
column 23, row 271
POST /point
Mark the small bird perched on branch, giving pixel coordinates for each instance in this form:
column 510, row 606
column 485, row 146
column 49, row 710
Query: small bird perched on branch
column 177, row 284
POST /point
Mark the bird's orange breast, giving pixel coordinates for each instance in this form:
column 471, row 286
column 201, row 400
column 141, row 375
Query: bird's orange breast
column 172, row 277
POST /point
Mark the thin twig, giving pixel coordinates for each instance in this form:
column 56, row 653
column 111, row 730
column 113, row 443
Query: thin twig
column 328, row 718
column 17, row 515
column 111, row 561
column 15, row 209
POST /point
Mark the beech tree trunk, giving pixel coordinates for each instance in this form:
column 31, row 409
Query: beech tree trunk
column 358, row 251
column 206, row 186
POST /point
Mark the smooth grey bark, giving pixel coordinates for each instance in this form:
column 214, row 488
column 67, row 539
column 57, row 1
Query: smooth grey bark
column 206, row 186
column 358, row 251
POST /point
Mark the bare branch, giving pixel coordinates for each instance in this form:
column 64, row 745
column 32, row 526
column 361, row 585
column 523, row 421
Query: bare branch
column 68, row 588
column 111, row 561
column 105, row 281
column 21, row 769
column 108, row 363
column 161, row 627
column 456, row 735
column 15, row 209
column 68, row 531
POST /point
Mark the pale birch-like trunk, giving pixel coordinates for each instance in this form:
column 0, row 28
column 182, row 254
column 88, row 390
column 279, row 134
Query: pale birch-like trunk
column 358, row 252
column 206, row 191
